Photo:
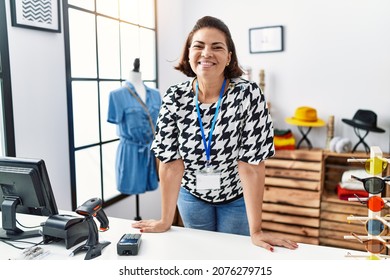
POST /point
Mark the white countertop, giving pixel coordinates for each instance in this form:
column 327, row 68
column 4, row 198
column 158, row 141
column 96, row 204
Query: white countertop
column 179, row 244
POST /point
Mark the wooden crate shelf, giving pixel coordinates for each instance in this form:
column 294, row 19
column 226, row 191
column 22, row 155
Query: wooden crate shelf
column 334, row 211
column 292, row 195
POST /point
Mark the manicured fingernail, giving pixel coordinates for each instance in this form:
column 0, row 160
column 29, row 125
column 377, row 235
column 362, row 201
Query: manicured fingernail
column 271, row 249
column 141, row 230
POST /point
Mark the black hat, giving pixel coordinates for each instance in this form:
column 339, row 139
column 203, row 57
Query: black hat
column 364, row 119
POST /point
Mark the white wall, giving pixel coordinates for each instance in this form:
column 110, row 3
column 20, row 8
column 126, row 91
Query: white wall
column 337, row 60
column 336, row 56
column 37, row 65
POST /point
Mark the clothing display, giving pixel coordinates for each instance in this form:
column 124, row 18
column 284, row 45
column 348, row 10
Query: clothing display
column 135, row 163
column 284, row 139
column 340, row 145
column 242, row 132
column 345, row 194
column 305, row 117
column 348, row 187
column 363, row 122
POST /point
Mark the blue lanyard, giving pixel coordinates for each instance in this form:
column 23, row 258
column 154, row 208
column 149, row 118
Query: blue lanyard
column 207, row 146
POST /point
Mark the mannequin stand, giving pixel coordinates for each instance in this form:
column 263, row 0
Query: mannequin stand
column 304, row 137
column 361, row 140
column 137, row 215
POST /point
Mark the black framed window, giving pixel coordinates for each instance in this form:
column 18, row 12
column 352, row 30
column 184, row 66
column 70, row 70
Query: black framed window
column 102, row 39
column 7, row 133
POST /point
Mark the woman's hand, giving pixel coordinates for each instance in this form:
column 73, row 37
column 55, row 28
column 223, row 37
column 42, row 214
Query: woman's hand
column 268, row 241
column 151, row 226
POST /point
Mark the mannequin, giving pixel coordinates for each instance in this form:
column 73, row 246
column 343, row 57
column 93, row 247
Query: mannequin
column 135, row 78
column 134, row 108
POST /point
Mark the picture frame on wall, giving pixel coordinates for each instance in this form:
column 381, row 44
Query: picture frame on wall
column 36, row 14
column 266, row 39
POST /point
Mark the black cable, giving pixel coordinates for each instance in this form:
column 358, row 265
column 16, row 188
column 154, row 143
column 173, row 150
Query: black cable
column 9, row 242
column 26, row 226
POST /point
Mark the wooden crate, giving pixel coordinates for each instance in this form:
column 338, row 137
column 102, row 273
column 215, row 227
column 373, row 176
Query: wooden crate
column 292, row 196
column 334, row 224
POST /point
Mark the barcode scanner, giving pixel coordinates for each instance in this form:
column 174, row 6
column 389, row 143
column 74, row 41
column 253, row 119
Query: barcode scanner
column 90, row 209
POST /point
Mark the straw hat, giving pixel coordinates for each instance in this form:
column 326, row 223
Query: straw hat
column 305, row 116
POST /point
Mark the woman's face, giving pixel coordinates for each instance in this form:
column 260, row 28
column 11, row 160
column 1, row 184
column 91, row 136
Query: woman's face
column 208, row 53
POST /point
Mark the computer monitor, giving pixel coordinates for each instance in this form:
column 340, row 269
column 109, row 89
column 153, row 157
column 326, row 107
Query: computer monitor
column 24, row 188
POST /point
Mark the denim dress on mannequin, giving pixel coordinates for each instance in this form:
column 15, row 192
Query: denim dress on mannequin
column 135, row 163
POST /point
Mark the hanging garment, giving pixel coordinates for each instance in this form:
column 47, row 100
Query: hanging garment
column 135, row 162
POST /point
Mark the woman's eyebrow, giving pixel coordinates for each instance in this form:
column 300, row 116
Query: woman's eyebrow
column 214, row 43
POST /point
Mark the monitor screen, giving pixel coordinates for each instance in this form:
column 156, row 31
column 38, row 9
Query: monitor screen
column 24, row 188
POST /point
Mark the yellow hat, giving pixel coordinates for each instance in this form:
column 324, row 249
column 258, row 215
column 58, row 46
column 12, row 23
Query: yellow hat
column 305, row 116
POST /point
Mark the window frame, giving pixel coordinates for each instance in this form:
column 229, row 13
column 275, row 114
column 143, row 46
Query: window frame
column 5, row 83
column 70, row 79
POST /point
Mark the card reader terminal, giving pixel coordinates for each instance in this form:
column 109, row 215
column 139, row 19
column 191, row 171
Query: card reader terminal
column 129, row 244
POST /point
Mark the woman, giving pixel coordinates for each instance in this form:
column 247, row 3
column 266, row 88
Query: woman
column 213, row 135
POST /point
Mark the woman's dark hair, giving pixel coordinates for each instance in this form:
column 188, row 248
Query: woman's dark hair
column 232, row 70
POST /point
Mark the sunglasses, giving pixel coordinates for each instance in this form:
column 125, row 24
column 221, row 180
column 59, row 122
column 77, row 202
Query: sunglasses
column 374, row 203
column 373, row 166
column 373, row 185
column 374, row 226
column 373, row 246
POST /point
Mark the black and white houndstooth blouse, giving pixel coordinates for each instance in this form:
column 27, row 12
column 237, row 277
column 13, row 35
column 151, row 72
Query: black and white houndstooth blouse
column 243, row 131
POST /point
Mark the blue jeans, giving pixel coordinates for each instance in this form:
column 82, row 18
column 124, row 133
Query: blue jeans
column 229, row 218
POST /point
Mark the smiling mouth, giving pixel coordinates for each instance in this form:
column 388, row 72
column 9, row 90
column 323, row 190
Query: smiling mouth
column 206, row 63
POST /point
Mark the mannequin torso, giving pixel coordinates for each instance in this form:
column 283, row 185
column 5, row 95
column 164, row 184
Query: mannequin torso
column 136, row 80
